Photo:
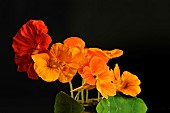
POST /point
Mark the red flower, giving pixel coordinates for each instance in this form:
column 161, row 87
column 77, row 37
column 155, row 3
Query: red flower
column 32, row 38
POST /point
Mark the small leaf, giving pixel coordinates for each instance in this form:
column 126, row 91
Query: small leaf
column 120, row 104
column 65, row 104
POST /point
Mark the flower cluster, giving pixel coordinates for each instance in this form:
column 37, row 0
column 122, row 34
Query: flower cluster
column 62, row 61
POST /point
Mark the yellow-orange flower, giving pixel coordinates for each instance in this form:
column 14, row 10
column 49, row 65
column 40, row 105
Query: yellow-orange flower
column 61, row 63
column 43, row 68
column 127, row 83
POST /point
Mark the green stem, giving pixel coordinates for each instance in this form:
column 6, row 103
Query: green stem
column 77, row 96
column 87, row 95
column 98, row 96
column 71, row 88
column 82, row 94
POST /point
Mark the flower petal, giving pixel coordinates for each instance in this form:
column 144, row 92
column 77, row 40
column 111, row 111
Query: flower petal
column 97, row 65
column 131, row 90
column 113, row 53
column 104, row 54
column 130, row 78
column 22, row 62
column 116, row 72
column 87, row 76
column 130, row 84
column 60, row 52
column 106, row 88
column 75, row 42
column 67, row 74
column 97, row 52
column 83, row 87
column 43, row 41
column 31, row 72
column 41, row 67
column 105, row 76
column 30, row 37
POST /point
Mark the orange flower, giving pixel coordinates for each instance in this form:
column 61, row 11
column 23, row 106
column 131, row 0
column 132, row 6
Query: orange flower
column 43, row 68
column 30, row 39
column 96, row 66
column 95, row 71
column 105, row 55
column 127, row 83
column 97, row 74
column 62, row 63
column 104, row 84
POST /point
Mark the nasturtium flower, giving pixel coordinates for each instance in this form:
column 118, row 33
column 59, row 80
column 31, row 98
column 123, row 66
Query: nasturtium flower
column 61, row 63
column 90, row 72
column 105, row 55
column 97, row 74
column 95, row 71
column 31, row 38
column 127, row 83
column 43, row 68
column 105, row 85
column 102, row 82
column 96, row 60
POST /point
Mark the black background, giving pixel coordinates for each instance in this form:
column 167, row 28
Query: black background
column 141, row 28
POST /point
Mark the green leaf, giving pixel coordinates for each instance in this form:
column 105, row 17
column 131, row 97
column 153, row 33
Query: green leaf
column 65, row 104
column 120, row 104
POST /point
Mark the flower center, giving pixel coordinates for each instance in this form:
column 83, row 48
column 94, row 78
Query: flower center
column 57, row 65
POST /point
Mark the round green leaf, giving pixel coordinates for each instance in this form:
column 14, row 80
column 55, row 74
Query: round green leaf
column 120, row 104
